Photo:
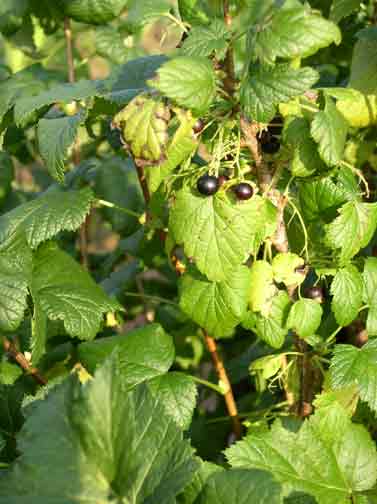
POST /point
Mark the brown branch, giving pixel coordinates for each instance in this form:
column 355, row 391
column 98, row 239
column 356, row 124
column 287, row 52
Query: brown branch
column 250, row 140
column 230, row 402
column 230, row 75
column 83, row 233
column 22, row 361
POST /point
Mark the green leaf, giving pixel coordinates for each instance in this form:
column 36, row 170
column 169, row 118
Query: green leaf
column 343, row 8
column 284, row 267
column 292, row 33
column 189, row 81
column 347, row 291
column 329, row 129
column 356, row 366
column 99, row 443
column 363, row 68
column 12, row 13
column 241, row 486
column 44, row 217
column 9, row 373
column 116, row 181
column 93, row 11
column 24, row 84
column 262, row 287
column 266, row 87
column 55, row 138
column 192, row 491
column 272, row 329
column 207, row 40
column 6, row 175
column 15, row 273
column 142, row 12
column 111, row 44
column 305, row 317
column 370, row 294
column 178, row 393
column 180, row 148
column 218, row 307
column 319, row 197
column 38, row 333
column 329, row 457
column 219, row 233
column 353, row 229
column 145, row 353
column 66, row 292
column 60, row 93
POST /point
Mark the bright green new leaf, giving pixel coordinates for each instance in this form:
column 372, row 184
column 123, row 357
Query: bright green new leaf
column 356, row 366
column 178, row 393
column 218, row 232
column 44, row 217
column 188, row 81
column 55, row 138
column 329, row 458
column 272, row 329
column 207, row 40
column 262, row 287
column 284, row 267
column 145, row 353
column 353, row 229
column 265, row 87
column 99, row 443
column 347, row 291
column 15, row 274
column 220, row 306
column 241, row 486
column 329, row 129
column 305, row 317
column 67, row 292
column 295, row 32
column 343, row 8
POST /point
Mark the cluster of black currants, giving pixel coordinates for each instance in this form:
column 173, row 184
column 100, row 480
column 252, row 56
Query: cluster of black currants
column 269, row 139
column 209, row 185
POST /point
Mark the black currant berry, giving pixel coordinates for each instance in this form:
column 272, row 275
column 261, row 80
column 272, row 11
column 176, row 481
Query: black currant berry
column 243, row 191
column 208, row 185
column 276, row 126
column 198, row 126
column 271, row 147
column 265, row 137
column 316, row 293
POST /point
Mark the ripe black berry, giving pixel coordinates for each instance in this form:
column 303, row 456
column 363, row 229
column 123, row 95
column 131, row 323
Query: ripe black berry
column 198, row 126
column 271, row 147
column 243, row 191
column 208, row 185
column 315, row 293
column 276, row 126
column 265, row 137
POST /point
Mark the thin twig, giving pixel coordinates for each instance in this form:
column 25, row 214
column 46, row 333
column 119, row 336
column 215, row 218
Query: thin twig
column 223, row 378
column 83, row 233
column 250, row 140
column 22, row 361
column 230, row 76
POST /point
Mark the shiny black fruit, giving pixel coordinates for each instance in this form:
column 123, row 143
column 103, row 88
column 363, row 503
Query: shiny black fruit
column 243, row 191
column 271, row 147
column 315, row 293
column 198, row 126
column 208, row 185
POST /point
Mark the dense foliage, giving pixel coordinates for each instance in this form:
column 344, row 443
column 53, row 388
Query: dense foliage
column 188, row 251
